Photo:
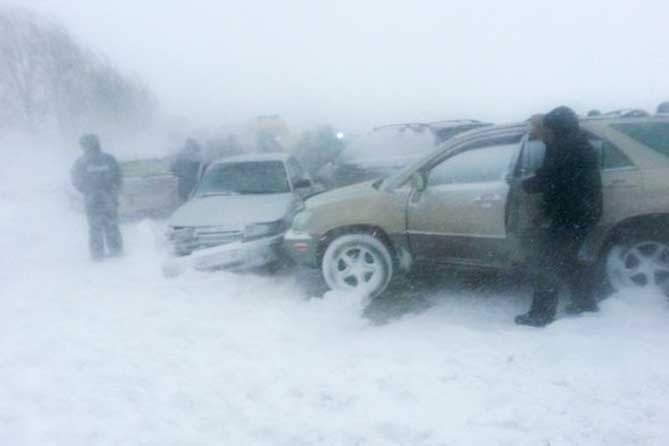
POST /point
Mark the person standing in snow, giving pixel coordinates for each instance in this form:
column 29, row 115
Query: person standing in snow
column 571, row 185
column 97, row 176
column 186, row 167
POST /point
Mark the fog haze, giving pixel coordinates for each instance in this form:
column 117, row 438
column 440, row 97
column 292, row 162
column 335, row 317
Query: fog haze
column 355, row 64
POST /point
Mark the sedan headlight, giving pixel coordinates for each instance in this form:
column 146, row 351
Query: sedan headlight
column 177, row 234
column 260, row 230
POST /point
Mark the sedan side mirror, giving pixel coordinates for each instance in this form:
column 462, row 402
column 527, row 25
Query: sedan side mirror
column 302, row 184
column 419, row 181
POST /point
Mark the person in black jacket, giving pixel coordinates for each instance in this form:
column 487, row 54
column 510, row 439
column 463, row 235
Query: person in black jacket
column 571, row 185
column 186, row 167
column 98, row 177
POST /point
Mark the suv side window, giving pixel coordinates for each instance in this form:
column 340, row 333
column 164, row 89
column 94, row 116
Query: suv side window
column 477, row 165
column 654, row 135
column 610, row 157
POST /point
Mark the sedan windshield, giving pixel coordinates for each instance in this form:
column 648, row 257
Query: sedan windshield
column 267, row 177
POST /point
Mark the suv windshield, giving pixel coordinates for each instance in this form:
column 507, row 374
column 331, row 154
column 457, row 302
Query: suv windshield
column 250, row 177
column 402, row 174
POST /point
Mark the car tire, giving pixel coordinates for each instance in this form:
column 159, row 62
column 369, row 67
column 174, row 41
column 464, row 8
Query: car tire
column 358, row 263
column 635, row 263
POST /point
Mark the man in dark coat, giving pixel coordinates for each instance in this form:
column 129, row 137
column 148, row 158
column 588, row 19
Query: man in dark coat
column 98, row 177
column 186, row 167
column 571, row 185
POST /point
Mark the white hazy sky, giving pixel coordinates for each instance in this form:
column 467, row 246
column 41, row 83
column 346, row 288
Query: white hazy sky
column 356, row 63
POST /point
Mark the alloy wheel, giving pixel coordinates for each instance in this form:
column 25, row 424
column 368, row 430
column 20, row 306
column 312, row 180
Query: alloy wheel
column 642, row 265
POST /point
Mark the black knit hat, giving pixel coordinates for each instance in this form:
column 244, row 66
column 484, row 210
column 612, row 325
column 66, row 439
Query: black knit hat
column 663, row 107
column 561, row 121
column 90, row 141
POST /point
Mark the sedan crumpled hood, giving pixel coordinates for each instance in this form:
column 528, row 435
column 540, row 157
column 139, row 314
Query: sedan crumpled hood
column 233, row 212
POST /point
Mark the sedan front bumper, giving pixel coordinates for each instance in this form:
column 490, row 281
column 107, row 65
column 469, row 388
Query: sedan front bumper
column 235, row 256
column 302, row 248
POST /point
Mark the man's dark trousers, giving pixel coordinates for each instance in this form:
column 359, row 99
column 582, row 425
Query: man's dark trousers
column 102, row 213
column 553, row 262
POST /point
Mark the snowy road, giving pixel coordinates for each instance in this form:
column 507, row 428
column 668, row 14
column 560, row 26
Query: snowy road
column 114, row 354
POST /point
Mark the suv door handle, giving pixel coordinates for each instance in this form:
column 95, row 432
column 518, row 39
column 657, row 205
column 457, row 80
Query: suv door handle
column 488, row 198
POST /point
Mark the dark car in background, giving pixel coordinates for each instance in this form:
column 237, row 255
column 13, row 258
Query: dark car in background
column 149, row 189
column 387, row 149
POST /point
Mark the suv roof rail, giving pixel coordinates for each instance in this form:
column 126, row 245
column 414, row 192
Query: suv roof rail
column 456, row 123
column 627, row 113
column 415, row 126
column 435, row 125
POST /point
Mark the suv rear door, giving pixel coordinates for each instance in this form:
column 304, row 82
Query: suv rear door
column 460, row 216
column 621, row 181
column 621, row 187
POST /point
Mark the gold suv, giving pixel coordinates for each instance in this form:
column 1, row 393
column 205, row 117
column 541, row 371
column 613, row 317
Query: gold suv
column 463, row 206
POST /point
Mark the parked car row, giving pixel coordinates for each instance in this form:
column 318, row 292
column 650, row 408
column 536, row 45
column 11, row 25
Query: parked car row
column 460, row 205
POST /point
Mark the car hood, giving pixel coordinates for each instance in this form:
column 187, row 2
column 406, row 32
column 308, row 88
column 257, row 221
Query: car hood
column 232, row 211
column 341, row 194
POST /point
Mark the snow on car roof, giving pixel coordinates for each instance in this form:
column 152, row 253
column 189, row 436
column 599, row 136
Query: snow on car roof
column 246, row 157
column 389, row 141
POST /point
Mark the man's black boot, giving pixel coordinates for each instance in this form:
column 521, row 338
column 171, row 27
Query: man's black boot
column 575, row 308
column 533, row 320
column 543, row 308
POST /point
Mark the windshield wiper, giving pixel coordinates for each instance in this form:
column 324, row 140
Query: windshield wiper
column 214, row 194
column 258, row 192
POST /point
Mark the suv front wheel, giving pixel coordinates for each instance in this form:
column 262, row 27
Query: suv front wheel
column 358, row 262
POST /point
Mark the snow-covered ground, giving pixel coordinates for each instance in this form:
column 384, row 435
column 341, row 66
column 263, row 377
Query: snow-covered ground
column 115, row 354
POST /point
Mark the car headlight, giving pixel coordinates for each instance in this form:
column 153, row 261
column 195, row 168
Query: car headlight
column 301, row 221
column 177, row 234
column 259, row 230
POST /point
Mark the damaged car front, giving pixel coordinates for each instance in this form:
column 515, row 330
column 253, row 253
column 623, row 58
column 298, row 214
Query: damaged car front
column 236, row 217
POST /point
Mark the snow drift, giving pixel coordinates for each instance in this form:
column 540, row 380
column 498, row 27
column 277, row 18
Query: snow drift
column 113, row 353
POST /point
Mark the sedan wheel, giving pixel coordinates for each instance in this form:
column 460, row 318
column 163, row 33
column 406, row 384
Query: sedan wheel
column 639, row 265
column 358, row 262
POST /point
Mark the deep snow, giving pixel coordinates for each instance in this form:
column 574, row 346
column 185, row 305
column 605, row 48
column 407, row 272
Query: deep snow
column 113, row 353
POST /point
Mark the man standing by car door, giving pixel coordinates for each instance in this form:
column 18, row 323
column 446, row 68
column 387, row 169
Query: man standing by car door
column 97, row 176
column 571, row 185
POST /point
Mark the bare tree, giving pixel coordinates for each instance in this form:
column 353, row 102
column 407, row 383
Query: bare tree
column 47, row 79
column 20, row 72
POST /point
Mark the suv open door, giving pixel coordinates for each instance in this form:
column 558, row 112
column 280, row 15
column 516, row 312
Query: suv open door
column 460, row 214
column 524, row 213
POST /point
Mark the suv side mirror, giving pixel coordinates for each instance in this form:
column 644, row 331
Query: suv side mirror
column 419, row 181
column 302, row 184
